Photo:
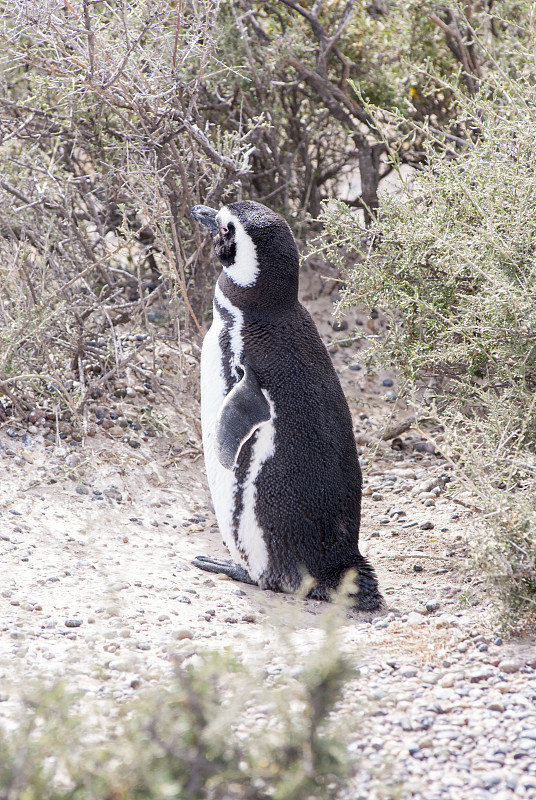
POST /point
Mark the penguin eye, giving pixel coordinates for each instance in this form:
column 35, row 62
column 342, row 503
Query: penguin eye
column 230, row 228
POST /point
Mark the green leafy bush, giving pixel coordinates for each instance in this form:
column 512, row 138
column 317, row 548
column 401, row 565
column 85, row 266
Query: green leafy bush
column 452, row 260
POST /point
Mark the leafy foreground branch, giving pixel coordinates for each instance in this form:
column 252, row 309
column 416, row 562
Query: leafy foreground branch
column 199, row 737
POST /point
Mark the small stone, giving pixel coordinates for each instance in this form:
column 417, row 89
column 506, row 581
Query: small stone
column 113, row 493
column 490, row 779
column 387, row 382
column 424, row 447
column 427, row 525
column 390, row 395
column 355, row 367
column 431, row 606
column 418, row 568
column 414, row 618
column 73, row 460
column 101, row 412
column 408, row 671
column 480, row 674
column 339, row 325
column 249, row 618
column 80, row 489
column 73, row 623
column 381, row 623
column 377, row 497
column 143, row 646
column 510, row 665
column 184, row 633
column 462, row 647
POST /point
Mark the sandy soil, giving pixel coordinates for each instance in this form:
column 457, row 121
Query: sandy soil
column 96, row 542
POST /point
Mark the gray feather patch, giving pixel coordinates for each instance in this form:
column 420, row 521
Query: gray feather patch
column 244, row 409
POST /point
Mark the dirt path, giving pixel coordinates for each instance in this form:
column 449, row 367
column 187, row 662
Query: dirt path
column 97, row 587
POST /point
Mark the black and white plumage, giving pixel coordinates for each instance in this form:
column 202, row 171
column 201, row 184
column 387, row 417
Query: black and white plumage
column 280, row 454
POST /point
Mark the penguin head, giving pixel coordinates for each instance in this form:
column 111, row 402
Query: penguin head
column 256, row 249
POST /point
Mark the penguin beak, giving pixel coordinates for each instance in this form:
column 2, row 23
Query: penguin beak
column 206, row 216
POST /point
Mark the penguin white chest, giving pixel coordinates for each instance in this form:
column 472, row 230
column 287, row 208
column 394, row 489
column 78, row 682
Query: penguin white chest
column 234, row 501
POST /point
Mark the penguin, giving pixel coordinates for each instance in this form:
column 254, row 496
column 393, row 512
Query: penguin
column 280, row 454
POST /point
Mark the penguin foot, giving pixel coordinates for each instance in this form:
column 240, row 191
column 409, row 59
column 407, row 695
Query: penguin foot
column 225, row 566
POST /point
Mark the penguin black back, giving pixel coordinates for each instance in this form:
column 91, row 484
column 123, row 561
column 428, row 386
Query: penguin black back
column 292, row 497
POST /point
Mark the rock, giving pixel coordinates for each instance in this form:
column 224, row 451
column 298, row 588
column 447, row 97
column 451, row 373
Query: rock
column 408, row 671
column 184, row 633
column 424, row 447
column 430, row 605
column 418, row 568
column 376, row 497
column 427, row 525
column 80, row 489
column 480, row 674
column 113, row 493
column 73, row 623
column 510, row 665
column 414, row 618
column 339, row 325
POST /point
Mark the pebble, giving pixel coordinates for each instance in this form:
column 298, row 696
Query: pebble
column 415, row 618
column 80, row 489
column 184, row 633
column 73, row 623
column 427, row 525
column 408, row 671
column 510, row 665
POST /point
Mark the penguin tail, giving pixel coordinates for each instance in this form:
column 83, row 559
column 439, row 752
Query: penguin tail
column 366, row 598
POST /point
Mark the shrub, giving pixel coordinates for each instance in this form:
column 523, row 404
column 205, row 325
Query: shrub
column 196, row 737
column 451, row 260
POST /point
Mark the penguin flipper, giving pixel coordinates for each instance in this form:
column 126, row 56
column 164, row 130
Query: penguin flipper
column 244, row 409
column 225, row 566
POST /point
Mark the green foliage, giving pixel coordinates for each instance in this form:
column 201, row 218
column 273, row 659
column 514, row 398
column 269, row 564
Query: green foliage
column 452, row 261
column 198, row 737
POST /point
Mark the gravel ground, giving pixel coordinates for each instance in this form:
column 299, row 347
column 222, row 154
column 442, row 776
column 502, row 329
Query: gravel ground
column 96, row 539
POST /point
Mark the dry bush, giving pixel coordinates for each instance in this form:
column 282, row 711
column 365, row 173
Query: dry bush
column 102, row 161
column 116, row 118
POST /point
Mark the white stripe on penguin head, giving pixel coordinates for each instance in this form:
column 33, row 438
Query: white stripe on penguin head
column 245, row 269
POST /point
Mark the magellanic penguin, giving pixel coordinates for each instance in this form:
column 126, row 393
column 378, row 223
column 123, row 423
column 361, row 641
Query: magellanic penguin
column 280, row 454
